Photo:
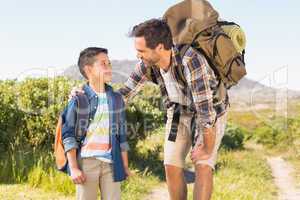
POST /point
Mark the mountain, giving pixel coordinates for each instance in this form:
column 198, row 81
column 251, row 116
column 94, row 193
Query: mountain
column 245, row 94
column 121, row 70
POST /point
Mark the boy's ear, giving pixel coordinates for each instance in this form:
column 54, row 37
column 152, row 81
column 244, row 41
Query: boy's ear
column 87, row 70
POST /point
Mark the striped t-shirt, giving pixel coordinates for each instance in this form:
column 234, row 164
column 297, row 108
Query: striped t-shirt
column 97, row 142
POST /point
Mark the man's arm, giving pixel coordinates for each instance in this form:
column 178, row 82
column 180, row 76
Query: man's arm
column 134, row 83
column 201, row 81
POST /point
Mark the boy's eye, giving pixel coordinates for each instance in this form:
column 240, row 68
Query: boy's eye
column 108, row 64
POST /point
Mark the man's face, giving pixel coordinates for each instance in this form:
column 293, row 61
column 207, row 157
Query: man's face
column 101, row 69
column 149, row 56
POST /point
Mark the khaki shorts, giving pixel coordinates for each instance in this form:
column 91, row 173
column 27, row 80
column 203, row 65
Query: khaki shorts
column 175, row 152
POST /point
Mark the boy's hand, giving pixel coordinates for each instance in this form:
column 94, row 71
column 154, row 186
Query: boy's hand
column 77, row 176
column 75, row 91
column 128, row 172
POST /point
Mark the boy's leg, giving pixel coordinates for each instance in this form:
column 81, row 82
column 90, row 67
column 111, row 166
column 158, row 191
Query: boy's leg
column 89, row 190
column 204, row 168
column 110, row 190
column 175, row 154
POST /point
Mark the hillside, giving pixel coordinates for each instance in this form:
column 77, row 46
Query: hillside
column 246, row 94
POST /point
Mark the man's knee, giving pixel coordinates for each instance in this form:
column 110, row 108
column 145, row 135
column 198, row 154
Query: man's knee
column 204, row 169
column 173, row 171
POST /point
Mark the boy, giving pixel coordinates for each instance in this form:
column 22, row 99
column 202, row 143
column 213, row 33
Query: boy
column 103, row 150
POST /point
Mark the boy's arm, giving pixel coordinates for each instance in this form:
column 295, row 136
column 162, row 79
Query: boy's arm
column 76, row 174
column 125, row 159
column 135, row 82
column 123, row 139
column 125, row 163
column 123, row 128
column 68, row 128
column 70, row 143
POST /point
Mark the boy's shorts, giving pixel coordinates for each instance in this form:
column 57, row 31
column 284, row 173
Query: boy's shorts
column 175, row 152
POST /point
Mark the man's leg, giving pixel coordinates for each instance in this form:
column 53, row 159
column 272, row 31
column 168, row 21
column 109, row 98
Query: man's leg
column 203, row 182
column 175, row 153
column 204, row 168
column 176, row 182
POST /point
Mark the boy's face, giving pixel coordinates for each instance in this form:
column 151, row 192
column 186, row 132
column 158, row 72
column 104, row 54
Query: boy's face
column 101, row 69
column 149, row 56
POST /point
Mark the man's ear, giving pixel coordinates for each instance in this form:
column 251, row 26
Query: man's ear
column 160, row 47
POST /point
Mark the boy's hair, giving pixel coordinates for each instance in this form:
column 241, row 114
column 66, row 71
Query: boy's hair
column 87, row 57
column 155, row 32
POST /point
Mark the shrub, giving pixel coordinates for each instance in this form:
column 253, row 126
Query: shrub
column 233, row 138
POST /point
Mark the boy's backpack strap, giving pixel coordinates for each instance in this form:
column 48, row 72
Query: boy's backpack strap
column 82, row 120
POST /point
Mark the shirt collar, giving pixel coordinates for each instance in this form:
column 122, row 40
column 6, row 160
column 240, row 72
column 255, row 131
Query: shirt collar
column 90, row 92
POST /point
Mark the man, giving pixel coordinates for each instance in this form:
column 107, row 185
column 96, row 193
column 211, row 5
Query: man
column 197, row 99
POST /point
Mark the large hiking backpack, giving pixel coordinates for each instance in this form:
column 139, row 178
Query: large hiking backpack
column 82, row 120
column 195, row 23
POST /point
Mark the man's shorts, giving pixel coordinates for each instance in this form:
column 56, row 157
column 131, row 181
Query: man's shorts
column 175, row 152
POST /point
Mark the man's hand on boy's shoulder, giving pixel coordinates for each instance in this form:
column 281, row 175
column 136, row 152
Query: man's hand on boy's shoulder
column 76, row 90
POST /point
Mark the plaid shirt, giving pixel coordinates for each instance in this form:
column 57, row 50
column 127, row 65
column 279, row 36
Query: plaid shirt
column 200, row 85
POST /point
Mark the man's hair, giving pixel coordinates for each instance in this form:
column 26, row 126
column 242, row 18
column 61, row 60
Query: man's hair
column 87, row 57
column 155, row 32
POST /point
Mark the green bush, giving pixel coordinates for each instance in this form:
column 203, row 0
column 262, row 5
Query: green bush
column 233, row 138
column 11, row 119
column 28, row 115
column 280, row 133
column 42, row 100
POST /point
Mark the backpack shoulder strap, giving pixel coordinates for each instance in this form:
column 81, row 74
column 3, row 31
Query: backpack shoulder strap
column 82, row 119
column 150, row 75
column 181, row 77
column 183, row 49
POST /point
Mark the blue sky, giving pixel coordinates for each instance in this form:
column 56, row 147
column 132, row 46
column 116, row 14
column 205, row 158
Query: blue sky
column 41, row 34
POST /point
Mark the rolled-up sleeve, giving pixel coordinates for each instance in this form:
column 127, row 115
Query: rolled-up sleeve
column 68, row 128
column 123, row 130
column 134, row 83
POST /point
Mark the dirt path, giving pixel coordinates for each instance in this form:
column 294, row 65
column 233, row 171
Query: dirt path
column 159, row 193
column 282, row 173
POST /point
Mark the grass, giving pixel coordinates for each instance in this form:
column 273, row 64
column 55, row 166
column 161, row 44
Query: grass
column 242, row 175
column 35, row 173
column 25, row 192
column 280, row 136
